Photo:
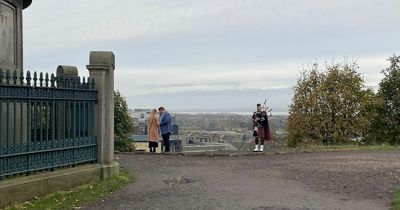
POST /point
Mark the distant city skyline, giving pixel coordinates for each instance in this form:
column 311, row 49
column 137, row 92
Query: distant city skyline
column 211, row 54
column 228, row 101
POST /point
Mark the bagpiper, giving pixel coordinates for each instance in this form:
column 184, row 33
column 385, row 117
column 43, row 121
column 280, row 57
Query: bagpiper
column 261, row 131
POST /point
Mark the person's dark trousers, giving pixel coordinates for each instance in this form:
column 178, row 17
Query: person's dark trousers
column 259, row 140
column 165, row 138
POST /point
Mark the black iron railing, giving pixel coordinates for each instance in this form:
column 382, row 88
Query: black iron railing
column 45, row 122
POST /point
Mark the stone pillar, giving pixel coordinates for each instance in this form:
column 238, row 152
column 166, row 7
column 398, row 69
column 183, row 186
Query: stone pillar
column 11, row 33
column 11, row 59
column 101, row 68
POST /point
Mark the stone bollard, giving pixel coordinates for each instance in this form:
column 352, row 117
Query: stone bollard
column 70, row 71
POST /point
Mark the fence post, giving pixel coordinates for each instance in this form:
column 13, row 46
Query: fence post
column 101, row 68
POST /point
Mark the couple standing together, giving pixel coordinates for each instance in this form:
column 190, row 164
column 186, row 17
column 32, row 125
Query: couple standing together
column 155, row 126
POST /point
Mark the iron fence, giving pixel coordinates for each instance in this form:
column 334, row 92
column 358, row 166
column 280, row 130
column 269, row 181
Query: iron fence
column 45, row 122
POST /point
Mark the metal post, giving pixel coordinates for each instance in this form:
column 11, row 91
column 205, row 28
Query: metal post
column 47, row 118
column 74, row 122
column 22, row 124
column 15, row 124
column 1, row 137
column 53, row 130
column 29, row 131
column 34, row 123
column 41, row 111
column 8, row 126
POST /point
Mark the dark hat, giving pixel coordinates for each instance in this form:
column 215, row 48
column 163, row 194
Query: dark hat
column 258, row 104
column 26, row 3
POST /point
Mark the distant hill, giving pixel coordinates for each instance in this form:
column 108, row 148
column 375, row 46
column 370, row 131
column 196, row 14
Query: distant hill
column 235, row 101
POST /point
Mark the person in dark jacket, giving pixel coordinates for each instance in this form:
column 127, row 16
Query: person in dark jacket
column 165, row 127
column 261, row 128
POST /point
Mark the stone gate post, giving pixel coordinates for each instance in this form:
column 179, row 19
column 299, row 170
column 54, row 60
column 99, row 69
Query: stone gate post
column 101, row 68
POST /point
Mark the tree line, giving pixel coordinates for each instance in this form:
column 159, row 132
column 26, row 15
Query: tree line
column 332, row 105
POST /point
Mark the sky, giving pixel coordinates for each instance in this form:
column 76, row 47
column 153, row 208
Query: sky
column 211, row 54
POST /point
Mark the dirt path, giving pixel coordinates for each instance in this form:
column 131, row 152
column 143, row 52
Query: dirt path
column 330, row 180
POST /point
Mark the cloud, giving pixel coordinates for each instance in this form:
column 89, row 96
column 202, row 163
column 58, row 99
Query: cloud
column 93, row 22
column 175, row 47
column 167, row 80
column 228, row 77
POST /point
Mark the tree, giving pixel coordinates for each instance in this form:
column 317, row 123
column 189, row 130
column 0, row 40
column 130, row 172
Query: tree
column 303, row 111
column 388, row 123
column 123, row 124
column 331, row 105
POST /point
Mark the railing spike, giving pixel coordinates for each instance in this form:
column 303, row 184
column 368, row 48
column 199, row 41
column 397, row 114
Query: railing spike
column 41, row 79
column 76, row 82
column 83, row 82
column 71, row 82
column 28, row 78
column 67, row 82
column 34, row 79
column 57, row 82
column 47, row 80
column 52, row 80
column 89, row 82
column 1, row 76
column 14, row 77
column 21, row 78
column 79, row 82
column 63, row 82
column 8, row 77
column 93, row 84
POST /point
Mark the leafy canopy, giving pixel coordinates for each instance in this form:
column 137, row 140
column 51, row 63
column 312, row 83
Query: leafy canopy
column 123, row 124
column 331, row 105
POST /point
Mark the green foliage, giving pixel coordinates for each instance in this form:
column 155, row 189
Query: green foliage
column 76, row 197
column 123, row 145
column 396, row 202
column 123, row 124
column 387, row 126
column 330, row 106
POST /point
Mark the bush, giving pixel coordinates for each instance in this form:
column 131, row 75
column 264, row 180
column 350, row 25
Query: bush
column 387, row 125
column 330, row 106
column 123, row 124
column 123, row 145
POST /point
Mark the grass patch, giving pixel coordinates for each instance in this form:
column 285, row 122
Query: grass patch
column 396, row 202
column 76, row 197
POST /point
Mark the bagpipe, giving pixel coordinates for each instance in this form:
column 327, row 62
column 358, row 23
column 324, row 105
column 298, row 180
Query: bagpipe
column 265, row 108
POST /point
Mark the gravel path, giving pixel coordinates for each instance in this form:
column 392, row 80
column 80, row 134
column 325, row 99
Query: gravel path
column 327, row 180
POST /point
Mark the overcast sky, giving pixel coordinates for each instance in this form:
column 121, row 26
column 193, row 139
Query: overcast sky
column 191, row 54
